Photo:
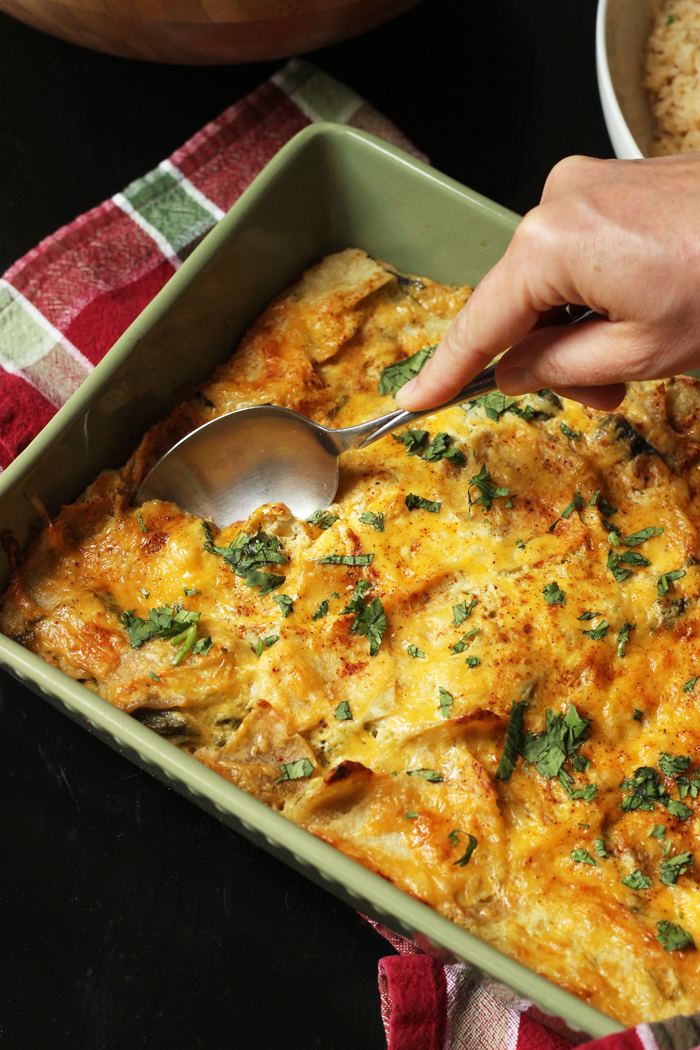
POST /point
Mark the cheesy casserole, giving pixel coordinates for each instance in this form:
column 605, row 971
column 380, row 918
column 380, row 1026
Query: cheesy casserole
column 477, row 673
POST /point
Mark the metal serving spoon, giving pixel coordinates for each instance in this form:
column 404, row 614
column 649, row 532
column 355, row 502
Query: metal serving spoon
column 227, row 468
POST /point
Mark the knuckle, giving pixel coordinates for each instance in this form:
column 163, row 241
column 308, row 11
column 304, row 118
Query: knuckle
column 571, row 171
column 534, row 230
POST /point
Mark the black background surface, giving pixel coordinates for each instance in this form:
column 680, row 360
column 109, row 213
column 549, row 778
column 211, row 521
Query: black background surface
column 128, row 918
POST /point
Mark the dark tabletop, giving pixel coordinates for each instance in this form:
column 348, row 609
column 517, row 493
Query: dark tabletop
column 128, row 917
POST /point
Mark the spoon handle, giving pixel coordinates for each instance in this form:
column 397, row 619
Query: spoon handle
column 383, row 425
column 365, row 433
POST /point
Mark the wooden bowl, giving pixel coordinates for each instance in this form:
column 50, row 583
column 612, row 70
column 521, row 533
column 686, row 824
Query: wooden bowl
column 204, row 32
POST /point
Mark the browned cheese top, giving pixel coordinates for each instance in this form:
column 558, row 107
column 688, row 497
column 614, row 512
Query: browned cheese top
column 476, row 613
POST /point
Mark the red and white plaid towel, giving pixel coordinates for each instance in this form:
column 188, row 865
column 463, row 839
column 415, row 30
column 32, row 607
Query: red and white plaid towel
column 64, row 304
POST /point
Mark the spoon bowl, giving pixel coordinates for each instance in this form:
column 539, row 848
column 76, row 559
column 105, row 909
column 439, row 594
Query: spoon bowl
column 232, row 465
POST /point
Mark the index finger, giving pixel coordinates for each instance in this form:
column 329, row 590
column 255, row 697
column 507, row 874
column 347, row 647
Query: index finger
column 506, row 305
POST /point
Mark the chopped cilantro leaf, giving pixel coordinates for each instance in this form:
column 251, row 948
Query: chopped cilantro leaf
column 368, row 517
column 553, row 526
column 395, row 376
column 520, row 545
column 453, row 837
column 657, row 832
column 673, row 937
column 295, row 770
column 441, row 448
column 623, row 636
column 667, row 579
column 163, row 622
column 356, row 603
column 494, row 404
column 570, row 433
column 285, row 603
column 488, row 492
column 473, row 661
column 323, row 519
column 140, row 521
column 588, row 615
column 671, row 765
column 413, row 441
column 637, row 881
column 633, row 558
column 580, row 763
column 426, row 774
column 587, row 793
column 577, row 503
column 410, row 815
column 245, row 554
column 321, row 611
column 553, row 594
column 258, row 647
column 446, row 700
column 600, row 501
column 638, row 715
column 676, row 808
column 202, row 646
column 190, row 591
column 645, row 790
column 266, row 581
column 514, row 741
column 639, row 537
column 619, row 572
column 471, row 846
column 675, row 866
column 600, row 848
column 562, row 737
column 342, row 712
column 155, row 677
column 415, row 652
column 688, row 687
column 462, row 644
column 582, row 856
column 462, row 612
column 612, row 528
column 145, row 593
column 412, row 501
column 369, row 620
column 346, row 559
column 598, row 632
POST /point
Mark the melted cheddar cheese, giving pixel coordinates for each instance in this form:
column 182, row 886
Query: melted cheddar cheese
column 476, row 613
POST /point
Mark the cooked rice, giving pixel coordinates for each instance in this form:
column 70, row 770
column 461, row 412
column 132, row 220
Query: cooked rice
column 673, row 77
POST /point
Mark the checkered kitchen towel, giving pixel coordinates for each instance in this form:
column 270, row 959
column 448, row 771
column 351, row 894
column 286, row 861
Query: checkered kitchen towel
column 61, row 308
column 64, row 304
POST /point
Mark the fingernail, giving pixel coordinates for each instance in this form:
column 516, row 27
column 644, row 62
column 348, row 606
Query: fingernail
column 517, row 381
column 405, row 391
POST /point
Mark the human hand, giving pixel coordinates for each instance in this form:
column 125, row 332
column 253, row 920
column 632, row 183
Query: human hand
column 621, row 237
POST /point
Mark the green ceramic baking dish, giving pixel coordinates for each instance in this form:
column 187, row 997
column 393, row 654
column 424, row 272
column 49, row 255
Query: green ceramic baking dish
column 329, row 188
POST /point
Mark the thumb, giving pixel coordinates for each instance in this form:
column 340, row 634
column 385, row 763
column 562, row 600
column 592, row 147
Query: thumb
column 589, row 362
